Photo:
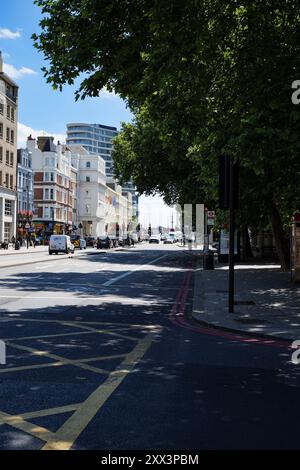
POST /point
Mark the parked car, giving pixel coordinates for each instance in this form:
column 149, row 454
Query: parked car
column 104, row 242
column 90, row 241
column 169, row 240
column 60, row 244
column 154, row 239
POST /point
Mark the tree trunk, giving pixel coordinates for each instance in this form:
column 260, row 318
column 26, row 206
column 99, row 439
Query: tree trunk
column 282, row 241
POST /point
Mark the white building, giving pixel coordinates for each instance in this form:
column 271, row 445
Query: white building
column 118, row 210
column 91, row 190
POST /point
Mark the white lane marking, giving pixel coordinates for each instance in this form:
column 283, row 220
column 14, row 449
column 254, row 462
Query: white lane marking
column 115, row 279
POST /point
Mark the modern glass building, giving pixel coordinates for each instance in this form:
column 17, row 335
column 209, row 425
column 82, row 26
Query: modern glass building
column 97, row 139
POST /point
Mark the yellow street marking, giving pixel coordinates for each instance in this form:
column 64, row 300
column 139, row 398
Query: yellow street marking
column 58, row 358
column 74, row 322
column 29, row 367
column 66, row 435
column 50, row 411
column 62, row 363
column 113, row 333
column 19, row 423
column 23, row 338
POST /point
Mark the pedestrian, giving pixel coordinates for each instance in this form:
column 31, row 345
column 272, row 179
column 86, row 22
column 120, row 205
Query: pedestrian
column 28, row 241
column 13, row 240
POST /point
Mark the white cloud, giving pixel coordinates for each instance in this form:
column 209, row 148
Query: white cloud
column 8, row 34
column 25, row 131
column 17, row 74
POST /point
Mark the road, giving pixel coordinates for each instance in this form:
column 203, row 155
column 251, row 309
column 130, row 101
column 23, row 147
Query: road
column 102, row 354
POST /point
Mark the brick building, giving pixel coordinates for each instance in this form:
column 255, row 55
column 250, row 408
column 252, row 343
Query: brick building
column 53, row 187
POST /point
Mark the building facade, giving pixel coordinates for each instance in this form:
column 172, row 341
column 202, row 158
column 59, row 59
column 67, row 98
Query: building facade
column 91, row 190
column 8, row 155
column 118, row 210
column 97, row 139
column 25, row 192
column 53, row 187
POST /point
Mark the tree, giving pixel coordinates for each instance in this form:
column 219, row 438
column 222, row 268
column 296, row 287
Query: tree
column 202, row 78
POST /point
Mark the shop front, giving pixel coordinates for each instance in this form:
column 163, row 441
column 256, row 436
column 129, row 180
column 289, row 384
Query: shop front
column 44, row 230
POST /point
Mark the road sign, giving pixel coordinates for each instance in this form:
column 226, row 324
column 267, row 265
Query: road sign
column 210, row 218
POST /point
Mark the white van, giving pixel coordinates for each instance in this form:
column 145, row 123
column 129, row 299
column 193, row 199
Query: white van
column 60, row 244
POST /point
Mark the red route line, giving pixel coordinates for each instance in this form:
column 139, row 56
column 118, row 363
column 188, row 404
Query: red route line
column 177, row 318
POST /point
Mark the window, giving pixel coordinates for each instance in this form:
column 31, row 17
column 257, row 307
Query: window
column 8, row 207
column 1, row 182
column 1, row 107
column 12, row 115
column 1, row 156
column 1, row 131
column 8, row 111
column 46, row 176
column 88, row 164
column 11, row 159
column 12, row 137
column 7, row 134
column 11, row 181
column 51, row 194
column 46, row 193
column 47, row 213
column 7, row 180
column 7, row 157
column 87, row 179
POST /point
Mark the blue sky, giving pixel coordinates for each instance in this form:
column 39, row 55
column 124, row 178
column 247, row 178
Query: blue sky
column 41, row 108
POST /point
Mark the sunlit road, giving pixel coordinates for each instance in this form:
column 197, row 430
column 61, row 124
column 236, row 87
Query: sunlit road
column 102, row 354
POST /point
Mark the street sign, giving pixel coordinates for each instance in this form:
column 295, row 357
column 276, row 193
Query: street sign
column 210, row 218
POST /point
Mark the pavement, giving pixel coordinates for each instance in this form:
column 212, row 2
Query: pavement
column 102, row 352
column 267, row 301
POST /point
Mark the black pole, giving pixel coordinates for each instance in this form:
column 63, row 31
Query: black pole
column 231, row 238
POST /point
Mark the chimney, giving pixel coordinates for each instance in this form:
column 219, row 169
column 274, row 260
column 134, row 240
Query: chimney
column 1, row 62
column 31, row 143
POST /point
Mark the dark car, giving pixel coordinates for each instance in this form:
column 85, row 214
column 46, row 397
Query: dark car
column 90, row 241
column 104, row 242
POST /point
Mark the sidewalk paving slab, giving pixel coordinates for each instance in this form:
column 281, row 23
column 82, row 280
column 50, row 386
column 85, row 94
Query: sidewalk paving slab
column 268, row 301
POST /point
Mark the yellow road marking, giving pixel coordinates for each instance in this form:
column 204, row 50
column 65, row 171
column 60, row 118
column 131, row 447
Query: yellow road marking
column 74, row 322
column 23, row 338
column 113, row 333
column 61, row 363
column 58, row 358
column 66, row 435
column 50, row 411
column 19, row 423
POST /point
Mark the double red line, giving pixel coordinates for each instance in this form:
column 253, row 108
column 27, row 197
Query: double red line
column 177, row 317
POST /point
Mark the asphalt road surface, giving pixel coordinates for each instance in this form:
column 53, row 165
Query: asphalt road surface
column 102, row 354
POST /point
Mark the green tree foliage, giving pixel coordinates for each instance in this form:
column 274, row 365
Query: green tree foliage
column 203, row 78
